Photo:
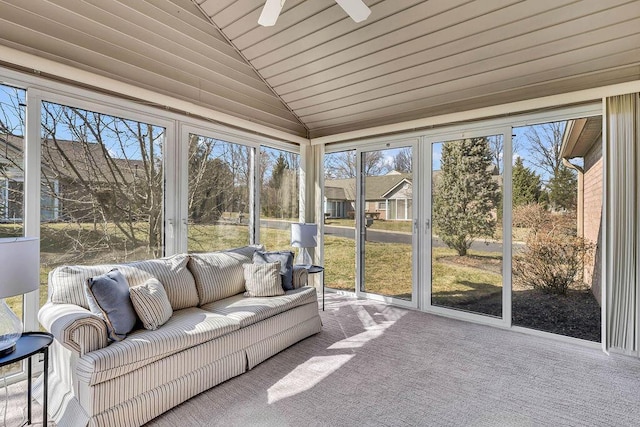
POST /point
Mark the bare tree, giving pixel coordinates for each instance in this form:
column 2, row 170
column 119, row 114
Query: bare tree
column 12, row 111
column 545, row 144
column 496, row 147
column 210, row 179
column 403, row 161
column 343, row 164
column 105, row 171
column 12, row 123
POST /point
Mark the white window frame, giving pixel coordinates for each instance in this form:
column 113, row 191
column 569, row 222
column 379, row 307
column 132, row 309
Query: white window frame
column 481, row 127
column 384, row 144
column 40, row 89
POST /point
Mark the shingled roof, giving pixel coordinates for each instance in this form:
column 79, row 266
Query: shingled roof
column 88, row 159
column 375, row 187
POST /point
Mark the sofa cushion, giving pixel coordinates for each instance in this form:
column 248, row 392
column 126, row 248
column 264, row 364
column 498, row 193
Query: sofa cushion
column 220, row 275
column 248, row 311
column 185, row 329
column 67, row 281
column 108, row 298
column 286, row 265
column 151, row 304
column 262, row 280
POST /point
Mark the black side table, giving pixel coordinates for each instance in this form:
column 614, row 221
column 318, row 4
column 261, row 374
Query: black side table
column 313, row 269
column 30, row 344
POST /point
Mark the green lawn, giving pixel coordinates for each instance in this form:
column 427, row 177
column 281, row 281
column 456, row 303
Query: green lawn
column 388, row 268
column 388, row 271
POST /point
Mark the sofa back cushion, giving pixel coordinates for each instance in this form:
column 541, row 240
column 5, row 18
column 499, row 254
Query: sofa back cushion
column 67, row 282
column 220, row 275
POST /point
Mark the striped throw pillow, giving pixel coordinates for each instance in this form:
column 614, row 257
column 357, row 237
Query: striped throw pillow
column 151, row 304
column 263, row 280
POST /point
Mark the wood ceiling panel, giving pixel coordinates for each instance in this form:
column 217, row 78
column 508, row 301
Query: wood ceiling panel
column 539, row 45
column 213, row 7
column 478, row 86
column 246, row 34
column 140, row 53
column 191, row 89
column 428, row 48
column 596, row 79
column 291, row 62
column 237, row 10
column 143, row 38
column 342, row 51
column 191, row 34
column 323, row 27
column 162, row 45
column 174, row 15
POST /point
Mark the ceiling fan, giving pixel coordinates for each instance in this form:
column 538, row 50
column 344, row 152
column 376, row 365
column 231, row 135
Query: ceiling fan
column 356, row 9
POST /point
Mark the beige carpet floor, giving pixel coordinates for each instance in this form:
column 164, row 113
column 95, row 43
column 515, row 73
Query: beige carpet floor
column 383, row 366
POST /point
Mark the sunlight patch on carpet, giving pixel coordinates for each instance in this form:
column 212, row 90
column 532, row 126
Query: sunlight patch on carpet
column 307, row 375
column 374, row 328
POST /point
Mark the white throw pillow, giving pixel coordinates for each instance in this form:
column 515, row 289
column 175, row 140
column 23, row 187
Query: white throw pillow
column 263, row 280
column 151, row 303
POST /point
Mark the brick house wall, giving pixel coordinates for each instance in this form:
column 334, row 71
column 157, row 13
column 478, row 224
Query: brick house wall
column 592, row 219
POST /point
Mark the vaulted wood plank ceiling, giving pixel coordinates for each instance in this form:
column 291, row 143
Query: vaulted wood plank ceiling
column 412, row 59
column 317, row 73
column 164, row 45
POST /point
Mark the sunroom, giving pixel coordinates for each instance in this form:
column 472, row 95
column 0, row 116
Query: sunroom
column 507, row 132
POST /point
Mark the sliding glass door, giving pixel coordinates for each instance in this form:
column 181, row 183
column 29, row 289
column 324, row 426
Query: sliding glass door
column 386, row 222
column 465, row 223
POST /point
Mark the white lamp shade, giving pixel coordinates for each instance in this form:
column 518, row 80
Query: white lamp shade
column 303, row 235
column 19, row 266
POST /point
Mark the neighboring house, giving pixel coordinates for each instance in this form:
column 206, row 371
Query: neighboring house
column 12, row 184
column 583, row 139
column 387, row 197
column 64, row 165
column 339, row 198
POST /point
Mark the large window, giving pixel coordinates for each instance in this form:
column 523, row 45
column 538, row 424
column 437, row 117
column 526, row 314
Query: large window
column 115, row 186
column 219, row 199
column 466, row 214
column 12, row 127
column 102, row 188
column 387, row 242
column 339, row 227
column 279, row 202
column 557, row 202
column 508, row 227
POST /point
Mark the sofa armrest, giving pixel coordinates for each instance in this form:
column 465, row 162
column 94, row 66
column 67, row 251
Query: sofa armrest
column 300, row 276
column 75, row 327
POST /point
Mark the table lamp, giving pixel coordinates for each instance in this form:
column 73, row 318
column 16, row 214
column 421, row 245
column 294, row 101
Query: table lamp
column 303, row 236
column 19, row 274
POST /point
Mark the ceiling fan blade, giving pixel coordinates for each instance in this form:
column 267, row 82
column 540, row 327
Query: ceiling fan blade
column 270, row 12
column 356, row 9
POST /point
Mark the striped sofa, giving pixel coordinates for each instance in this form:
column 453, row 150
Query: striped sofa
column 214, row 334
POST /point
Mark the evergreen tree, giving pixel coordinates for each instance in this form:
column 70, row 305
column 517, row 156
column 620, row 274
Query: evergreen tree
column 466, row 195
column 563, row 189
column 527, row 186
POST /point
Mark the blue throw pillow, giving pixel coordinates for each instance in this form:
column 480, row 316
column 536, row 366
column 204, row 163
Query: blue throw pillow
column 108, row 297
column 286, row 265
